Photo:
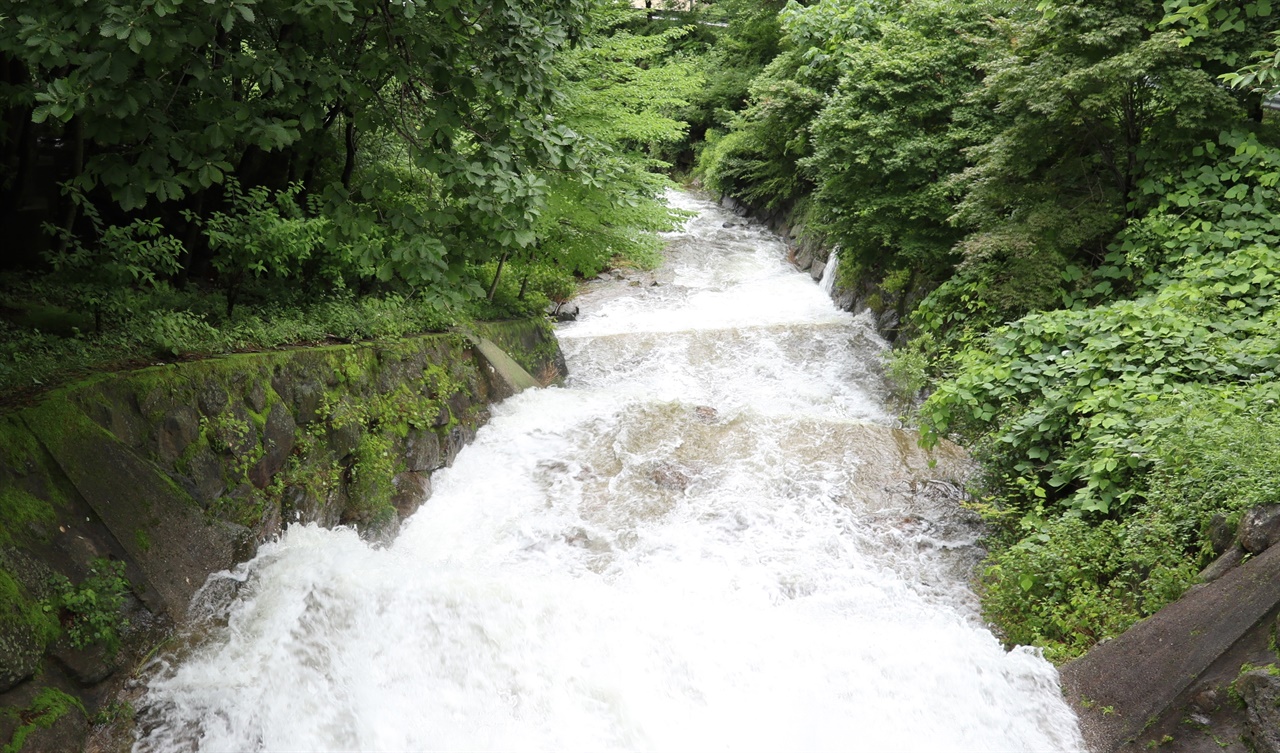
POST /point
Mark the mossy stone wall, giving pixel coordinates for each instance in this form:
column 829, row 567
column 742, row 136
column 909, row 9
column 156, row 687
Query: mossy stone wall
column 181, row 470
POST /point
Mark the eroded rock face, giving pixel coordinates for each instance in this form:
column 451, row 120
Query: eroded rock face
column 277, row 443
column 411, row 490
column 422, row 451
column 1260, row 689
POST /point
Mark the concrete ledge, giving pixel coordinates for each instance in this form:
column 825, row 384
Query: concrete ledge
column 1122, row 686
column 506, row 376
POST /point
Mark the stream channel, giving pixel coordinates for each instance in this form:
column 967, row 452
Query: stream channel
column 712, row 538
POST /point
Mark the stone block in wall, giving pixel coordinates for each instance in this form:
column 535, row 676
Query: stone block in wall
column 116, row 410
column 212, row 398
column 342, row 439
column 1260, row 528
column 277, row 442
column 181, row 427
column 411, row 490
column 422, row 451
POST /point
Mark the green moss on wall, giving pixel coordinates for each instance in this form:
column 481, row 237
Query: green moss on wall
column 30, row 505
column 20, row 510
column 49, row 706
column 22, row 611
column 372, row 485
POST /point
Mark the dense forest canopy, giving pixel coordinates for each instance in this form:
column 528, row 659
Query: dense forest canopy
column 1068, row 208
column 187, row 175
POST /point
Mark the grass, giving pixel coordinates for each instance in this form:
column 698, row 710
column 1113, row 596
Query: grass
column 46, row 338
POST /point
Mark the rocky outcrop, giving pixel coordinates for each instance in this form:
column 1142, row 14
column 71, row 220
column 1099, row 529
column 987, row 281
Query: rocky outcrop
column 1186, row 678
column 178, row 471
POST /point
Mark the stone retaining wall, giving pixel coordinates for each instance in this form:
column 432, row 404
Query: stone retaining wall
column 181, row 470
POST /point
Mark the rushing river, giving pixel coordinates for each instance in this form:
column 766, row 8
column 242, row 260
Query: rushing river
column 711, row 539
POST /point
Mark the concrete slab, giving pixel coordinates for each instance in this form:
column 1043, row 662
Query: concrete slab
column 155, row 522
column 1122, row 686
column 507, row 376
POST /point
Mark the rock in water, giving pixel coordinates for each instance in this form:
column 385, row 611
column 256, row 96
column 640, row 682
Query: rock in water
column 563, row 312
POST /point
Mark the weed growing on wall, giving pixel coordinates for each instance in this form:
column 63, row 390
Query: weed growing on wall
column 90, row 612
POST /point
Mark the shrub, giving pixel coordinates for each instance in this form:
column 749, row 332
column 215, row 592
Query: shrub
column 90, row 613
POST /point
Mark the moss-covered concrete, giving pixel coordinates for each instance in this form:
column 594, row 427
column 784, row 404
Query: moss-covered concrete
column 181, row 470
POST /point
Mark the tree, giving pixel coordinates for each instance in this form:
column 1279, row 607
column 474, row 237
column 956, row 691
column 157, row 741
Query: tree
column 158, row 101
column 893, row 134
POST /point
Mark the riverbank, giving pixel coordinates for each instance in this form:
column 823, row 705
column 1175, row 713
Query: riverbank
column 120, row 494
column 1197, row 676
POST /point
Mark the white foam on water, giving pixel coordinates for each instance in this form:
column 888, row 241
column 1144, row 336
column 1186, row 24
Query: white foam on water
column 712, row 538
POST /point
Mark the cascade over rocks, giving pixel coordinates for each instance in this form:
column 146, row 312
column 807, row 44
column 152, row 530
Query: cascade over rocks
column 707, row 512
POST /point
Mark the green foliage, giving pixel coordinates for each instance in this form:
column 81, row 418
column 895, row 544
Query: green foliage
column 1001, row 277
column 894, row 130
column 1227, row 33
column 1066, row 583
column 90, row 612
column 1058, row 397
column 416, row 137
column 49, row 705
column 120, row 255
column 242, row 175
column 1111, row 435
column 263, row 234
column 1217, row 454
column 758, row 161
column 622, row 92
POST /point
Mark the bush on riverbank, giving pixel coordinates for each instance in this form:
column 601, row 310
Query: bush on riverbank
column 292, row 193
column 1074, row 219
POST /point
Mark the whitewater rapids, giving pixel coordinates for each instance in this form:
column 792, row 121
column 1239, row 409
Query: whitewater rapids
column 712, row 538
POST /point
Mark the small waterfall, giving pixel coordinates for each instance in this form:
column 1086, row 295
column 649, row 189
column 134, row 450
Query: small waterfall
column 712, row 538
column 828, row 281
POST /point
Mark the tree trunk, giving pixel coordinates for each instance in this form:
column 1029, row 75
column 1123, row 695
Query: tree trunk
column 349, row 167
column 77, row 166
column 497, row 274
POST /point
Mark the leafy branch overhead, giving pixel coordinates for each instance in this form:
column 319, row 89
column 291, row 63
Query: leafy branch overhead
column 162, row 100
column 182, row 166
